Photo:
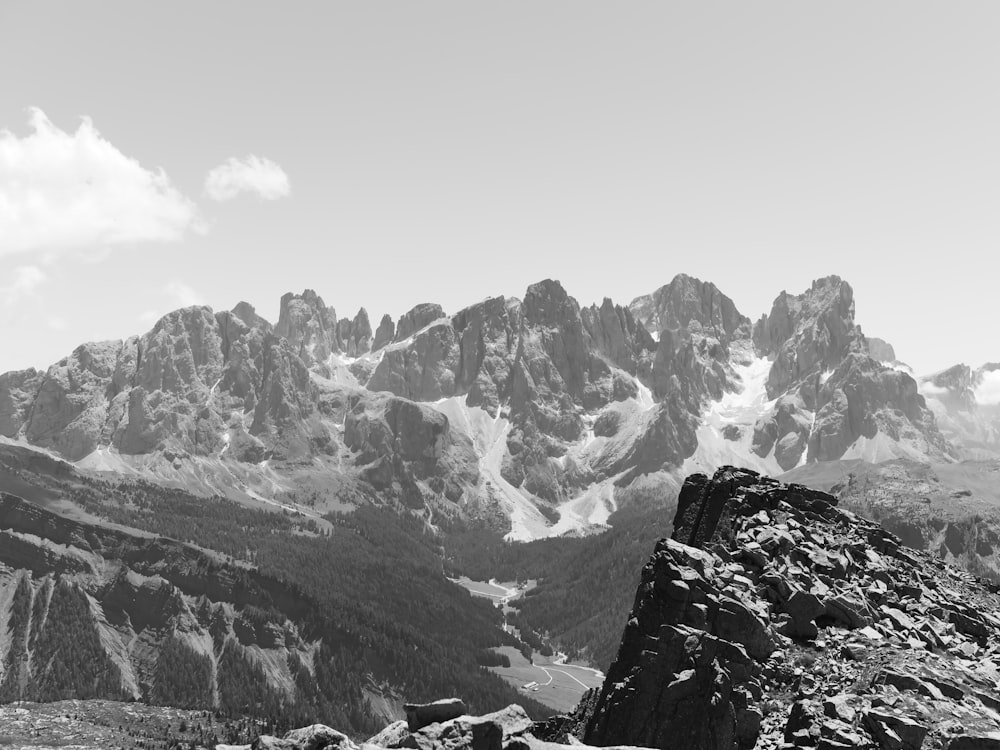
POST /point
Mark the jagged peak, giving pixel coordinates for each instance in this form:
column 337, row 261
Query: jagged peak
column 549, row 288
column 546, row 302
column 181, row 315
column 418, row 317
column 687, row 299
column 249, row 315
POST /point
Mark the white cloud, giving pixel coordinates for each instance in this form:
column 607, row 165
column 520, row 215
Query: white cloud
column 182, row 294
column 24, row 281
column 60, row 189
column 248, row 175
column 927, row 388
column 94, row 255
column 988, row 389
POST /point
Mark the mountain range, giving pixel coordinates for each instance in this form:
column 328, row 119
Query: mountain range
column 535, row 416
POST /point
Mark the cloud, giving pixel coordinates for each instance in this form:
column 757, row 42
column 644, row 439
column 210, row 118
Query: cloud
column 988, row 388
column 178, row 294
column 24, row 281
column 60, row 189
column 182, row 294
column 927, row 388
column 248, row 175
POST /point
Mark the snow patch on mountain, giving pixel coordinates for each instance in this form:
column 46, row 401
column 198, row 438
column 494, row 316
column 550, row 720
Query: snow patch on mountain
column 589, row 509
column 735, row 413
column 340, row 373
column 882, row 447
column 489, row 436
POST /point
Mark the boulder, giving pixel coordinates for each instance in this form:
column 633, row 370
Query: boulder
column 391, row 736
column 893, row 731
column 989, row 741
column 419, row 715
column 319, row 737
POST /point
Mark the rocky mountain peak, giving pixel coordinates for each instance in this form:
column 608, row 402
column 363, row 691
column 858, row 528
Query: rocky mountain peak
column 880, row 350
column 354, row 336
column 691, row 304
column 547, row 303
column 808, row 333
column 248, row 314
column 308, row 325
column 385, row 333
column 418, row 318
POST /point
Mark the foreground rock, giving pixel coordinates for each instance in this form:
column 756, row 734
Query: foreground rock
column 507, row 729
column 419, row 715
column 774, row 618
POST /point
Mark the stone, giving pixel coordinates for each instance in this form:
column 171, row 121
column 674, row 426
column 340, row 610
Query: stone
column 989, row 741
column 893, row 731
column 848, row 610
column 391, row 736
column 909, row 682
column 839, row 707
column 855, row 651
column 461, row 733
column 419, row 715
column 318, row 737
column 803, row 608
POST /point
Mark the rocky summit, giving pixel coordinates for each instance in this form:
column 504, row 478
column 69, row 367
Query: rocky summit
column 537, row 415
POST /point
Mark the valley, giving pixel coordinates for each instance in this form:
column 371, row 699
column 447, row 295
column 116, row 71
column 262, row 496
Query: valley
column 546, row 677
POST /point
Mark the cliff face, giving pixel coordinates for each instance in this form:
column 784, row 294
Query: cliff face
column 773, row 615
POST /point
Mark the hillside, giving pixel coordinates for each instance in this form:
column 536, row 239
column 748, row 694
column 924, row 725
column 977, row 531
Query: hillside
column 243, row 611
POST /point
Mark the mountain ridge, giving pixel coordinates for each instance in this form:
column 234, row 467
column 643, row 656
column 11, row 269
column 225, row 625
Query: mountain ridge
column 556, row 415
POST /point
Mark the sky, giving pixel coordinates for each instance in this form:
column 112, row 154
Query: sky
column 385, row 154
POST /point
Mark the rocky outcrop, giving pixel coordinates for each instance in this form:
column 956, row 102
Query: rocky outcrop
column 411, row 447
column 18, row 390
column 774, row 616
column 421, row 369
